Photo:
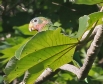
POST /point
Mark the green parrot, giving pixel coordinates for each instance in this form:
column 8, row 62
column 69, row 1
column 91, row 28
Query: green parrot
column 41, row 24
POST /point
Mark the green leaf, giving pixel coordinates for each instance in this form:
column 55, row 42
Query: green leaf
column 100, row 78
column 45, row 49
column 34, row 73
column 43, row 40
column 101, row 4
column 83, row 24
column 95, row 71
column 15, row 40
column 57, row 24
column 8, row 53
column 86, row 22
column 93, row 18
column 77, row 60
column 1, row 29
column 54, row 58
column 9, row 68
column 87, row 2
column 67, row 76
column 25, row 30
column 1, row 79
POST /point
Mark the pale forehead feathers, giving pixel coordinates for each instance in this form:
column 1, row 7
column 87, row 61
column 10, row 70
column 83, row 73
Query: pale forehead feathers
column 41, row 19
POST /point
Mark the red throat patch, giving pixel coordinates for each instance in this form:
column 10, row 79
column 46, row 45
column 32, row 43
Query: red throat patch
column 39, row 27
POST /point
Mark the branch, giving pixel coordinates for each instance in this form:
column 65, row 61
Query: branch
column 48, row 73
column 70, row 68
column 67, row 67
column 82, row 43
column 92, row 53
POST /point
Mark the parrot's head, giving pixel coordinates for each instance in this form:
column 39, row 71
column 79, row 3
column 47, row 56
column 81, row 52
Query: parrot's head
column 38, row 23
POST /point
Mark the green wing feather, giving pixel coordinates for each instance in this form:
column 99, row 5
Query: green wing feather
column 48, row 26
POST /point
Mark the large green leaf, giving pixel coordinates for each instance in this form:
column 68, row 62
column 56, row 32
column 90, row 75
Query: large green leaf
column 46, row 49
column 58, row 56
column 87, row 2
column 43, row 40
column 86, row 22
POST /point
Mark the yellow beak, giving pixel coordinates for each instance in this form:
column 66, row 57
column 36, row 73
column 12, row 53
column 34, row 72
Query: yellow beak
column 31, row 27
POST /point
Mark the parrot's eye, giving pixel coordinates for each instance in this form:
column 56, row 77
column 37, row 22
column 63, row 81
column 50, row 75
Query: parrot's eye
column 35, row 20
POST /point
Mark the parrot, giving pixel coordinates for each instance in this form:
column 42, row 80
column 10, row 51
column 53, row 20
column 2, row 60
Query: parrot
column 41, row 24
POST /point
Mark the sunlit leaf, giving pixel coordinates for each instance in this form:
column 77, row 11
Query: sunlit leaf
column 55, row 57
column 100, row 4
column 25, row 30
column 8, row 53
column 86, row 22
column 57, row 24
column 83, row 24
column 95, row 71
column 87, row 2
column 45, row 49
column 43, row 40
column 93, row 18
column 100, row 78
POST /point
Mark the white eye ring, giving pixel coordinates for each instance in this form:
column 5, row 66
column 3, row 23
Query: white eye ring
column 35, row 21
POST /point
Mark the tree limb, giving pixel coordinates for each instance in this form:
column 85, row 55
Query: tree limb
column 92, row 53
column 82, row 43
column 48, row 73
column 70, row 68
